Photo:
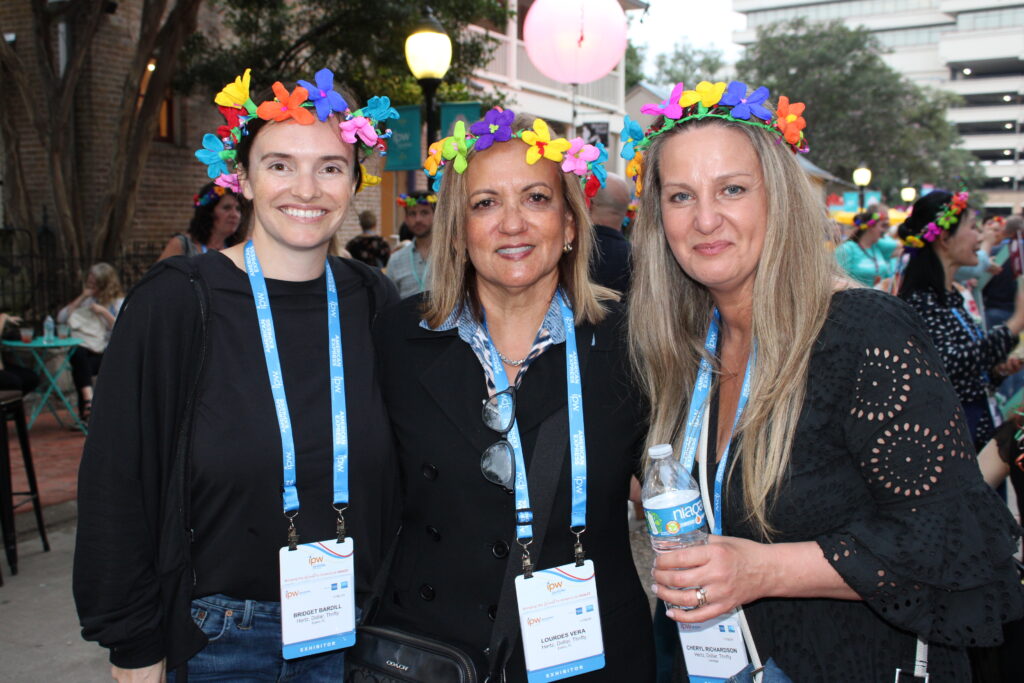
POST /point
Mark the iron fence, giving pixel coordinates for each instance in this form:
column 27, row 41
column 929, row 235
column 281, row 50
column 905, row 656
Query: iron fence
column 35, row 281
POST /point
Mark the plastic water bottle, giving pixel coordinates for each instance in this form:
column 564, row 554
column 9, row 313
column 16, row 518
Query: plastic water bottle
column 48, row 328
column 672, row 504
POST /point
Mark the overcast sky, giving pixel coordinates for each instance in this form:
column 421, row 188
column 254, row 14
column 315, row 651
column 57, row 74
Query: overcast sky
column 702, row 23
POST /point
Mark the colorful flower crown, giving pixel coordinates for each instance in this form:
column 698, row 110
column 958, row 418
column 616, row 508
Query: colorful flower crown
column 575, row 156
column 363, row 126
column 948, row 215
column 713, row 100
column 406, row 201
column 211, row 196
column 863, row 223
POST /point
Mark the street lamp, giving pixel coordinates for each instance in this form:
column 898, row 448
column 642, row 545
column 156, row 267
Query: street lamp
column 861, row 178
column 908, row 195
column 428, row 52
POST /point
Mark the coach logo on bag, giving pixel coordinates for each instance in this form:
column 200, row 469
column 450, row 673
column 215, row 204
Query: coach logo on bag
column 396, row 665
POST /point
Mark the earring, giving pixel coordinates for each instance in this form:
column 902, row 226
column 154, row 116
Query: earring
column 566, row 248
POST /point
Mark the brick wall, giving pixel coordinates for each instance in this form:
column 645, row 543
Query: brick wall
column 172, row 174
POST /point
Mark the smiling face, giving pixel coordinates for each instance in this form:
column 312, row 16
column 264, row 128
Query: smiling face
column 517, row 220
column 300, row 181
column 714, row 207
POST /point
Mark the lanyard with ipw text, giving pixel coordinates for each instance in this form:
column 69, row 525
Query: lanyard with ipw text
column 577, row 438
column 339, row 424
column 699, row 403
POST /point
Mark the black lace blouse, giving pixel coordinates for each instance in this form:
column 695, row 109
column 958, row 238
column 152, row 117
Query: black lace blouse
column 883, row 477
column 968, row 355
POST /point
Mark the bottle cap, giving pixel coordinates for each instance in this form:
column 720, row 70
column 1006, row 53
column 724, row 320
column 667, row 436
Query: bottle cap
column 659, row 451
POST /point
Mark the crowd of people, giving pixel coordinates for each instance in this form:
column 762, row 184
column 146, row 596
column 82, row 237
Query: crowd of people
column 441, row 433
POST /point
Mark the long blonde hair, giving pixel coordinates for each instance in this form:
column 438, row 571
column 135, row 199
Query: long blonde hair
column 452, row 276
column 669, row 313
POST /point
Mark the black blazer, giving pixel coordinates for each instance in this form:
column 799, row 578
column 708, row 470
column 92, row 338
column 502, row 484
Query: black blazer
column 458, row 529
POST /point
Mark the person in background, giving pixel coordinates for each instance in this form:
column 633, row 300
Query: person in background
column 940, row 237
column 611, row 254
column 409, row 266
column 14, row 376
column 860, row 257
column 91, row 316
column 1000, row 293
column 216, row 223
column 369, row 247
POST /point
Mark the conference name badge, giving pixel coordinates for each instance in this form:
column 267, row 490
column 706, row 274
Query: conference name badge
column 318, row 598
column 713, row 649
column 560, row 622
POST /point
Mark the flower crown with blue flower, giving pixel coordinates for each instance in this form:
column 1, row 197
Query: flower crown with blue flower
column 730, row 102
column 575, row 156
column 362, row 126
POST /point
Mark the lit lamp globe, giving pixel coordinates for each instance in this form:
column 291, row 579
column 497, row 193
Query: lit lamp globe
column 908, row 194
column 575, row 41
column 428, row 52
column 862, row 176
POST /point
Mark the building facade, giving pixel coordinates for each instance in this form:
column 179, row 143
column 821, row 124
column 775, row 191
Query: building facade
column 973, row 48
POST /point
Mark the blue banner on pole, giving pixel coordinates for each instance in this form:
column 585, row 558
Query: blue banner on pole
column 404, row 147
column 851, row 200
column 468, row 112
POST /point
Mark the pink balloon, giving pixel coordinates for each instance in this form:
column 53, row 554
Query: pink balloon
column 575, row 41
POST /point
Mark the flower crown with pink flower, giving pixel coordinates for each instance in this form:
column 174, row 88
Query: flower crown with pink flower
column 575, row 156
column 731, row 102
column 362, row 126
column 948, row 215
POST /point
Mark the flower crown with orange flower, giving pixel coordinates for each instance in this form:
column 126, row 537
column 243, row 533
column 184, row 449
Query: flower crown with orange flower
column 575, row 156
column 944, row 220
column 731, row 102
column 362, row 126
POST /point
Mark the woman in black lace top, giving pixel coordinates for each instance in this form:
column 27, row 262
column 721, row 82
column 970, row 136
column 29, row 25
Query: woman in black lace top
column 940, row 237
column 851, row 518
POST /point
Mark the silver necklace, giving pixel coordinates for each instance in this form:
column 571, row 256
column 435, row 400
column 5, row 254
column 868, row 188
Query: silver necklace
column 513, row 363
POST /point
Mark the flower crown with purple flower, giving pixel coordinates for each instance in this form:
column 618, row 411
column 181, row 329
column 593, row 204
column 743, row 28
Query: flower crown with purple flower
column 863, row 221
column 211, row 196
column 575, row 156
column 407, row 201
column 362, row 126
column 731, row 102
column 944, row 220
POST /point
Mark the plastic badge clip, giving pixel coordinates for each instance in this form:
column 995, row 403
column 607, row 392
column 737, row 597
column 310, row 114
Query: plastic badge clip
column 341, row 523
column 527, row 563
column 578, row 548
column 293, row 535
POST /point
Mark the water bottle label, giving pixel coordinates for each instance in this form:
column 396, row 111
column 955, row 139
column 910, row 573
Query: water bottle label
column 675, row 520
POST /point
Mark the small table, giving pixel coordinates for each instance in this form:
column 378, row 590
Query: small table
column 37, row 347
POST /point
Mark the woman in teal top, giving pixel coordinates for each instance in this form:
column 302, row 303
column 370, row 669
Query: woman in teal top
column 861, row 256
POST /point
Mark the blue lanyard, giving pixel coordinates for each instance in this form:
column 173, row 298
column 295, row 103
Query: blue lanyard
column 577, row 438
column 975, row 334
column 203, row 247
column 698, row 404
column 339, row 423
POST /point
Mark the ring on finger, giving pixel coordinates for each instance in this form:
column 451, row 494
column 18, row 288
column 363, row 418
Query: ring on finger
column 702, row 596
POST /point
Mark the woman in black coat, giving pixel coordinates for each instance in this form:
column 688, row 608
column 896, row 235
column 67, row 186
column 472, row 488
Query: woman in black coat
column 511, row 259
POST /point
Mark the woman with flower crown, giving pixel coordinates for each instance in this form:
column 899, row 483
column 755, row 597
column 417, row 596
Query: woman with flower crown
column 216, row 223
column 516, row 423
column 940, row 238
column 241, row 440
column 852, row 534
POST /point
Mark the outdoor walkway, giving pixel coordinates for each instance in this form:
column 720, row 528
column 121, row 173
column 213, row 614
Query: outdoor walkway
column 56, row 452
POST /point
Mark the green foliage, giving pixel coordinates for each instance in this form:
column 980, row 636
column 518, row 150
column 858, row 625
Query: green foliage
column 634, row 64
column 688, row 64
column 362, row 41
column 859, row 110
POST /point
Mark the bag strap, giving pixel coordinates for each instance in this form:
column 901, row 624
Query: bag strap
column 545, row 468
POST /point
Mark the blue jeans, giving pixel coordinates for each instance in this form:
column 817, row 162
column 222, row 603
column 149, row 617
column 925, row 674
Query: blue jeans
column 245, row 645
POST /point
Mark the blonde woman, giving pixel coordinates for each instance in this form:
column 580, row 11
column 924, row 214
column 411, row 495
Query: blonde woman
column 91, row 316
column 850, row 516
column 510, row 263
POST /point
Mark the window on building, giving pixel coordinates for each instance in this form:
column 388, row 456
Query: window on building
column 993, row 18
column 165, row 119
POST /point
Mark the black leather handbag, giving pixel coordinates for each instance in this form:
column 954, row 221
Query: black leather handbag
column 388, row 655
